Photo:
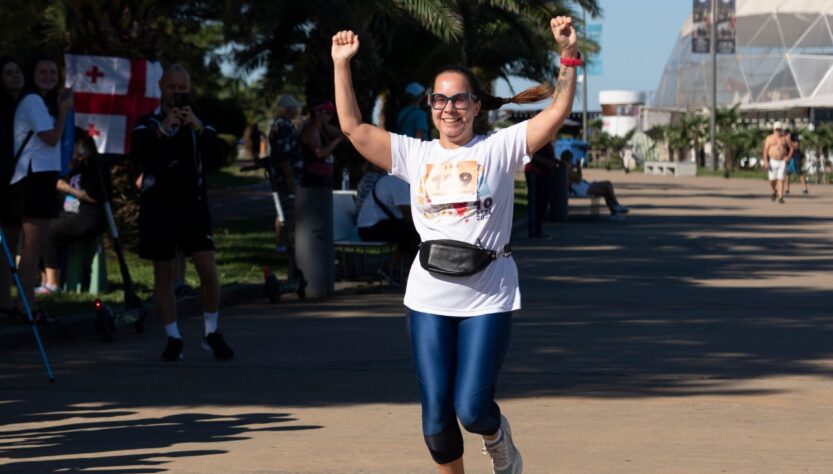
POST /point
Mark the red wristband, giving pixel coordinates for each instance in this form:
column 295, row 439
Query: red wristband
column 572, row 62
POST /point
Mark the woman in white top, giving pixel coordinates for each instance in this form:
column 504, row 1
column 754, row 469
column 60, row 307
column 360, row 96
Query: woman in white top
column 40, row 116
column 462, row 188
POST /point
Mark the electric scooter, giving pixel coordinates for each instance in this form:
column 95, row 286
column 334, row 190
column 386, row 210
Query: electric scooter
column 107, row 319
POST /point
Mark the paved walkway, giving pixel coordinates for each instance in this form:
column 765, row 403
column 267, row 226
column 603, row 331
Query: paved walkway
column 696, row 337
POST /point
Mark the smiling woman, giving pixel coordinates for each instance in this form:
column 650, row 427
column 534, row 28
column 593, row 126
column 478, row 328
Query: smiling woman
column 38, row 126
column 461, row 297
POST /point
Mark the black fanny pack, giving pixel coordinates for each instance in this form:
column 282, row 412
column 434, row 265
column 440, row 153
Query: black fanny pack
column 454, row 258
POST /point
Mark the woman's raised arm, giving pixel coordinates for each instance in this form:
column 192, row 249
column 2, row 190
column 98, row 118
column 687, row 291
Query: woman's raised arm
column 542, row 128
column 372, row 142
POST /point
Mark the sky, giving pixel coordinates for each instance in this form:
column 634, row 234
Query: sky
column 637, row 38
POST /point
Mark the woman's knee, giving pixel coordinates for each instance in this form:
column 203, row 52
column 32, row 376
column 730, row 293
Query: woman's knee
column 479, row 415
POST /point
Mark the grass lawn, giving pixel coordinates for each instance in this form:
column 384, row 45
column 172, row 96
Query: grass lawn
column 231, row 176
column 521, row 203
column 756, row 173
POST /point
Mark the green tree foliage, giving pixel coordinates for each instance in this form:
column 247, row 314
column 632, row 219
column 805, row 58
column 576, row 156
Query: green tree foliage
column 402, row 41
column 819, row 141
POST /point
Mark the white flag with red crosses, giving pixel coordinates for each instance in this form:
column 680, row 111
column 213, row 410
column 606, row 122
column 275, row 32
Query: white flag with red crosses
column 110, row 94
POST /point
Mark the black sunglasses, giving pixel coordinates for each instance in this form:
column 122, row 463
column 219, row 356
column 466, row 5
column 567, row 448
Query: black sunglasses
column 458, row 101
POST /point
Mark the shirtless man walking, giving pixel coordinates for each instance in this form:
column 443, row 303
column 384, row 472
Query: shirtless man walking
column 777, row 149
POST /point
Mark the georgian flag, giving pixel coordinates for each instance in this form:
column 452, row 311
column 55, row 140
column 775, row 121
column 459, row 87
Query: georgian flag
column 110, row 94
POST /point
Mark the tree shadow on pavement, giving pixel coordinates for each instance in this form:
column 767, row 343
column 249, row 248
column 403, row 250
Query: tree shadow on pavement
column 78, row 437
column 668, row 306
column 684, row 305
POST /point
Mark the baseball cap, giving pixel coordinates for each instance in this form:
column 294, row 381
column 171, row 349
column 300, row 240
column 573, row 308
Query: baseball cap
column 287, row 101
column 326, row 105
column 414, row 89
column 778, row 125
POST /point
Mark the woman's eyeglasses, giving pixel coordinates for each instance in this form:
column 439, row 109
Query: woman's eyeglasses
column 458, row 101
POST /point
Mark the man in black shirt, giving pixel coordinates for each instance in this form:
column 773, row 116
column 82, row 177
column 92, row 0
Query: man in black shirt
column 171, row 145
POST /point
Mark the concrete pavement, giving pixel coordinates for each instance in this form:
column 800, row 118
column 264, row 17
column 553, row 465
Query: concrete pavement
column 696, row 337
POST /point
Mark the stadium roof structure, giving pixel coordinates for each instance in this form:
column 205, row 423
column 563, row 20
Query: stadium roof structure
column 783, row 60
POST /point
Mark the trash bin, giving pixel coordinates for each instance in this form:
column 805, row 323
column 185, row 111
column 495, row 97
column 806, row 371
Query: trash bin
column 558, row 193
column 314, row 250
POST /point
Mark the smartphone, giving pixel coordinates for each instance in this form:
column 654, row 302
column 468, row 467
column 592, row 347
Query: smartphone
column 180, row 100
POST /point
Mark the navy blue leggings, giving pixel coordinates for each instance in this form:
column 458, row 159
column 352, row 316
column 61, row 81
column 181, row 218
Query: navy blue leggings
column 457, row 361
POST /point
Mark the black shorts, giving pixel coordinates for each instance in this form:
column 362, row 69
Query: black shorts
column 34, row 196
column 6, row 217
column 165, row 227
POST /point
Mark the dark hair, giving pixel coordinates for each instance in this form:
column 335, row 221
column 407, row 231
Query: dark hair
column 7, row 101
column 8, row 60
column 490, row 102
column 51, row 98
column 7, row 105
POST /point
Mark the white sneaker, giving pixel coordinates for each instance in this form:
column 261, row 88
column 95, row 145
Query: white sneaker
column 620, row 209
column 47, row 290
column 506, row 459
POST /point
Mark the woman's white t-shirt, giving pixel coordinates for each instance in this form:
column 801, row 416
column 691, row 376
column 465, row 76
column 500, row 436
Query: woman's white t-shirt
column 32, row 114
column 465, row 194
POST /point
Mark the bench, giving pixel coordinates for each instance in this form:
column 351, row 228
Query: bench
column 86, row 268
column 348, row 243
column 584, row 207
column 670, row 168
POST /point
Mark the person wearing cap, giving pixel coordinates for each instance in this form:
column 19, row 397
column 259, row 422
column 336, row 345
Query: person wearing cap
column 318, row 140
column 777, row 149
column 411, row 120
column 285, row 141
column 286, row 157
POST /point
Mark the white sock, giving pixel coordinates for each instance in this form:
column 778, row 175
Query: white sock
column 172, row 330
column 498, row 438
column 210, row 322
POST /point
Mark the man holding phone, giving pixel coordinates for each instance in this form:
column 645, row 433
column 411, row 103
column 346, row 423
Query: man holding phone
column 171, row 145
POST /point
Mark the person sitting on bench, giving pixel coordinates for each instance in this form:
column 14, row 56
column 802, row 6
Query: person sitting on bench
column 579, row 187
column 385, row 215
column 82, row 216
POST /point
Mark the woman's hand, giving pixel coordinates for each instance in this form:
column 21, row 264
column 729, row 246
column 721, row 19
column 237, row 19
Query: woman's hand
column 83, row 196
column 345, row 45
column 65, row 100
column 565, row 35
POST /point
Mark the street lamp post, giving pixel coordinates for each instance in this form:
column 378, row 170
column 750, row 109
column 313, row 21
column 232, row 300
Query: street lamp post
column 713, row 45
column 584, row 81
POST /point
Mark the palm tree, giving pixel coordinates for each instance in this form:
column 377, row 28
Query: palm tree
column 727, row 123
column 819, row 141
column 737, row 143
column 696, row 127
column 616, row 145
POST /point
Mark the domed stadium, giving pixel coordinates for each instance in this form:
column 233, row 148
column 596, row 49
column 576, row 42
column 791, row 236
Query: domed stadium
column 783, row 60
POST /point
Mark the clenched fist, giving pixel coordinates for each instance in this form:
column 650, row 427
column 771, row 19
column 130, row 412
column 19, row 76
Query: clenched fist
column 345, row 45
column 565, row 35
